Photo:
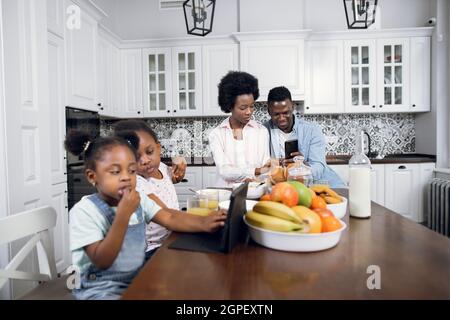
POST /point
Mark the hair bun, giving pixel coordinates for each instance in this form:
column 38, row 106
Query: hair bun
column 77, row 142
column 130, row 137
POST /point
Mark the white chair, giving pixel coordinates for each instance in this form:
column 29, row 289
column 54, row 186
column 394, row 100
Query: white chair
column 36, row 223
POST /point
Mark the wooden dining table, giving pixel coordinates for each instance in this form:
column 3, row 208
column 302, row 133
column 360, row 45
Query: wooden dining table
column 384, row 257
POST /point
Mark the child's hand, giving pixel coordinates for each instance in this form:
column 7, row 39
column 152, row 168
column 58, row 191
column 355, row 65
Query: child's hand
column 214, row 221
column 129, row 202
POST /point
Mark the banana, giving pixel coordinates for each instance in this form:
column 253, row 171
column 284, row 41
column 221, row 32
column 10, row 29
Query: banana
column 276, row 209
column 332, row 200
column 319, row 188
column 271, row 223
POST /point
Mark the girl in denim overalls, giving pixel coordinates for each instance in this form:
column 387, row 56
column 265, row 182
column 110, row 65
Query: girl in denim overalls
column 107, row 229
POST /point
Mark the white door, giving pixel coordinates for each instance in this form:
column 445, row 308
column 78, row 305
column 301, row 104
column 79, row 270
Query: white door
column 187, row 81
column 56, row 83
column 131, row 82
column 420, row 74
column 377, row 184
column 55, row 16
column 5, row 293
column 61, row 230
column 157, row 82
column 218, row 60
column 81, row 46
column 393, row 75
column 401, row 193
column 275, row 63
column 104, row 77
column 360, row 76
column 27, row 119
column 324, row 85
column 209, row 176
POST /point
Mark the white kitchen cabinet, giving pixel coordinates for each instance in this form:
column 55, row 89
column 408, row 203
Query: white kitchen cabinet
column 194, row 180
column 157, row 81
column 360, row 76
column 56, row 83
column 108, row 75
column 131, row 84
column 402, row 189
column 218, row 60
column 393, row 75
column 324, row 85
column 420, row 74
column 342, row 171
column 55, row 17
column 172, row 82
column 81, row 53
column 377, row 186
column 209, row 176
column 61, row 230
column 275, row 63
column 426, row 174
column 187, row 81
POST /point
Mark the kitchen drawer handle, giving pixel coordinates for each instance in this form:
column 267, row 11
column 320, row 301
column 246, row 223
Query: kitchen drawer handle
column 76, row 180
column 381, row 106
column 401, row 167
column 168, row 111
column 414, row 105
column 184, row 180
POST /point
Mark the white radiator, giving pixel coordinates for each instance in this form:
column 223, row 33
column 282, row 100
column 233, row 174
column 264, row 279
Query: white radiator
column 439, row 206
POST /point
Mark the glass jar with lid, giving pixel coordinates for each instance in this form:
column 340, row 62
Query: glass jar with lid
column 300, row 171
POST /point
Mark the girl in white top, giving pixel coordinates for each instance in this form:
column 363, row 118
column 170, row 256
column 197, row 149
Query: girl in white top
column 239, row 145
column 154, row 178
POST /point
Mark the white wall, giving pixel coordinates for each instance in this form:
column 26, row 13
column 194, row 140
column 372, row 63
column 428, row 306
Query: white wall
column 269, row 15
column 432, row 129
column 142, row 19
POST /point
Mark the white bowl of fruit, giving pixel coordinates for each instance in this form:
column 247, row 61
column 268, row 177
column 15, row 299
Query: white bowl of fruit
column 287, row 220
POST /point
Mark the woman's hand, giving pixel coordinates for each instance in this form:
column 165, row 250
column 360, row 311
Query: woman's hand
column 178, row 169
column 214, row 221
column 128, row 203
column 263, row 169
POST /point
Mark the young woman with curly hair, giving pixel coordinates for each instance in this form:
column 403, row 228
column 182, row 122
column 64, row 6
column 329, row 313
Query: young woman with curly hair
column 239, row 145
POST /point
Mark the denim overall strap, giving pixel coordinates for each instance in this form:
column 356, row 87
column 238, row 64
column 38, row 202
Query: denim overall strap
column 110, row 283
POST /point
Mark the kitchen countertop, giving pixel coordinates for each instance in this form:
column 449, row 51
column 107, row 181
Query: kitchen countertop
column 331, row 159
column 413, row 261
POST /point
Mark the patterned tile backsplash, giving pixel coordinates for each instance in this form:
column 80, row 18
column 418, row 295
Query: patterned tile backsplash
column 390, row 133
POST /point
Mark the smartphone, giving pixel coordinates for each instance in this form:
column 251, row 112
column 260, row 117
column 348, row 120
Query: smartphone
column 289, row 147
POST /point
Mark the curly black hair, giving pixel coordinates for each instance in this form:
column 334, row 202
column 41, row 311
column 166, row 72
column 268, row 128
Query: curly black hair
column 92, row 149
column 134, row 125
column 233, row 84
column 279, row 94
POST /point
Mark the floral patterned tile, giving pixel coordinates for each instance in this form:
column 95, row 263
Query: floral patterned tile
column 390, row 133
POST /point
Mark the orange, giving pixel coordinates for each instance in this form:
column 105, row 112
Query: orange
column 318, row 203
column 330, row 224
column 266, row 197
column 324, row 213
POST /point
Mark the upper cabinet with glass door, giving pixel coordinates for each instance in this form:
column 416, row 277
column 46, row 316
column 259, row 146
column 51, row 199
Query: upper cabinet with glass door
column 172, row 82
column 157, row 82
column 360, row 76
column 393, row 75
column 187, row 81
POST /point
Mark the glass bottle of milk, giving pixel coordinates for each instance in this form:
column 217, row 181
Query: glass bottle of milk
column 359, row 185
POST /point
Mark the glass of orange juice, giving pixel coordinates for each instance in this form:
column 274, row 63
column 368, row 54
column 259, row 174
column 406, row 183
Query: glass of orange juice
column 201, row 205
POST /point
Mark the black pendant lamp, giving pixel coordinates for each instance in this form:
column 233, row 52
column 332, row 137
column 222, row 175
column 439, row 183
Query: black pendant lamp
column 360, row 14
column 199, row 16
